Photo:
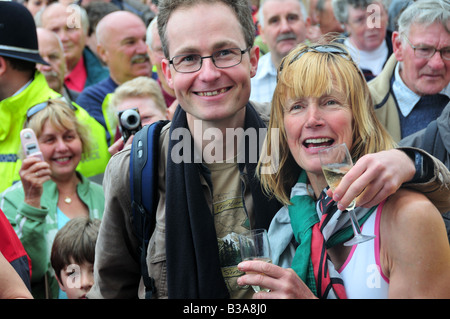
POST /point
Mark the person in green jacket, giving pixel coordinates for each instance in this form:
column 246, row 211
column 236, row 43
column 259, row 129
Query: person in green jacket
column 51, row 192
column 22, row 87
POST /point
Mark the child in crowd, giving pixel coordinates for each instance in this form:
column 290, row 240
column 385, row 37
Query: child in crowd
column 72, row 256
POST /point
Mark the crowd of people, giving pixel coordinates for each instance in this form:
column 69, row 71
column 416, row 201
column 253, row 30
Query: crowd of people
column 298, row 76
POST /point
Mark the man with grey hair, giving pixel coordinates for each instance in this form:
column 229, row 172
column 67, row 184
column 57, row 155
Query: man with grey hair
column 283, row 26
column 367, row 38
column 413, row 88
column 121, row 46
column 71, row 25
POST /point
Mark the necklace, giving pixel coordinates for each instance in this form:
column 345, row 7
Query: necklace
column 68, row 200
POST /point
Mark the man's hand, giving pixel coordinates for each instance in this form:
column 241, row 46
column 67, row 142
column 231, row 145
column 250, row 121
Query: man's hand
column 373, row 178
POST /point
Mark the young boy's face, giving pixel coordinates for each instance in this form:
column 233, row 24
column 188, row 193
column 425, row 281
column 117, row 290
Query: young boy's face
column 77, row 280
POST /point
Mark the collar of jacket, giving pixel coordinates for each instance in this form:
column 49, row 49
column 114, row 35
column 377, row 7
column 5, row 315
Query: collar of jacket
column 13, row 109
column 50, row 187
column 381, row 86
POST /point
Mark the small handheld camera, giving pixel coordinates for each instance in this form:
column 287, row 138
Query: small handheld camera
column 129, row 123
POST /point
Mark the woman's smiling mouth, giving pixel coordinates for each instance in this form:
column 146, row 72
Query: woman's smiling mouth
column 62, row 160
column 318, row 142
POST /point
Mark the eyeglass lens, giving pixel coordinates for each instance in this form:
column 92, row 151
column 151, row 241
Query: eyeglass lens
column 222, row 59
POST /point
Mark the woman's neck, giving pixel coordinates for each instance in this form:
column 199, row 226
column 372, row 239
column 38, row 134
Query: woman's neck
column 67, row 185
column 318, row 182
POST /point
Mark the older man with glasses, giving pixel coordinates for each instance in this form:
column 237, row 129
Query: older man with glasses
column 413, row 88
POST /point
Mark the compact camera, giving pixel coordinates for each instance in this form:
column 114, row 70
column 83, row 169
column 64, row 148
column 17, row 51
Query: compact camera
column 129, row 123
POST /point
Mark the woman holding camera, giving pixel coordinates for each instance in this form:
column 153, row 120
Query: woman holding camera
column 51, row 191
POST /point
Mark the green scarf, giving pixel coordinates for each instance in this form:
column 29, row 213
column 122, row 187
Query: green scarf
column 303, row 217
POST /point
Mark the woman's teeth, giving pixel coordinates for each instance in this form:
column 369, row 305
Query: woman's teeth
column 318, row 142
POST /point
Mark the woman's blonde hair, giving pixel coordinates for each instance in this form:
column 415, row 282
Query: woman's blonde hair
column 61, row 116
column 313, row 71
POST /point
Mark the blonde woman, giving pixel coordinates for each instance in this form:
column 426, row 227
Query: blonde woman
column 410, row 256
column 51, row 192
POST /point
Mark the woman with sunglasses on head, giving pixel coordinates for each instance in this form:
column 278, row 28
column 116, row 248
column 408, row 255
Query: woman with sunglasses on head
column 366, row 36
column 51, row 191
column 410, row 255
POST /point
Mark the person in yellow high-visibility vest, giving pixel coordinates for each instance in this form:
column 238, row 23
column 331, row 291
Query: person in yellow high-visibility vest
column 22, row 87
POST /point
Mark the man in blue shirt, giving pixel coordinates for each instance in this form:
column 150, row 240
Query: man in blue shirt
column 121, row 41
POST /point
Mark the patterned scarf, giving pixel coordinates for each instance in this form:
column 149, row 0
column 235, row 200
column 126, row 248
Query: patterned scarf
column 318, row 226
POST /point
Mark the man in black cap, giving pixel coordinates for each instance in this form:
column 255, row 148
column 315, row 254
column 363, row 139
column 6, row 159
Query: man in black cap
column 22, row 86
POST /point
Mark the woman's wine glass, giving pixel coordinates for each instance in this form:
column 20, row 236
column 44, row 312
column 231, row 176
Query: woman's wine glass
column 254, row 245
column 336, row 162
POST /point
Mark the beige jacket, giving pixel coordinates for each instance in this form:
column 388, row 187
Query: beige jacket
column 383, row 100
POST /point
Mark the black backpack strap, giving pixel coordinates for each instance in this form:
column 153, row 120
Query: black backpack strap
column 143, row 190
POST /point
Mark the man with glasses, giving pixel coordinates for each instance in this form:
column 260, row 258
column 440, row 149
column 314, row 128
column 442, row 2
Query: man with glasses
column 206, row 201
column 22, row 87
column 207, row 191
column 413, row 88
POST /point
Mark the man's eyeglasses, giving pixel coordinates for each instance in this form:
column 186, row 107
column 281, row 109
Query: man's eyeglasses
column 427, row 52
column 321, row 48
column 222, row 59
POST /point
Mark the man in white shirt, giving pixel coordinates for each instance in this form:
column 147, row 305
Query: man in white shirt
column 283, row 26
column 368, row 40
